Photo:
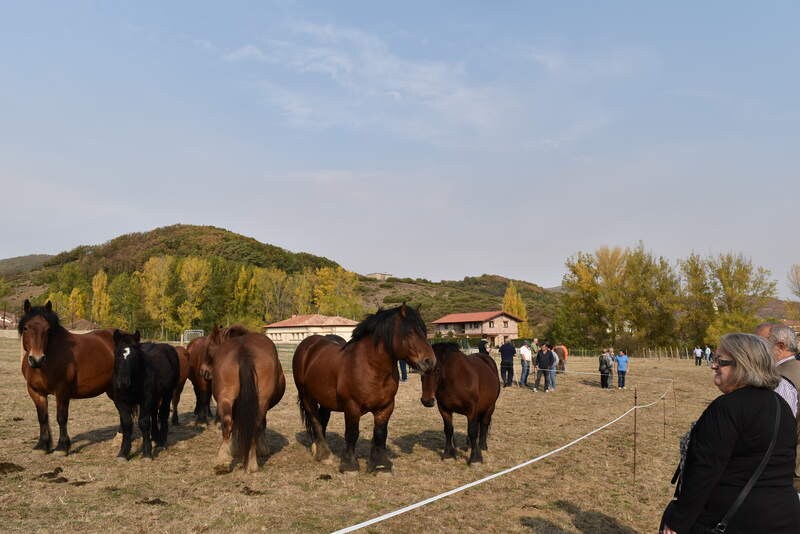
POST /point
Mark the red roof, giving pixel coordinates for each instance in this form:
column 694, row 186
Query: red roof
column 474, row 317
column 313, row 320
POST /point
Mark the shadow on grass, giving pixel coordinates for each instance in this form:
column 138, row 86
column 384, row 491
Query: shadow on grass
column 592, row 521
column 430, row 439
column 338, row 445
column 542, row 526
column 175, row 435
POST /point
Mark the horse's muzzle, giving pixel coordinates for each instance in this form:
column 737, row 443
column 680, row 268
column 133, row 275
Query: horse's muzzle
column 426, row 364
column 428, row 403
column 35, row 362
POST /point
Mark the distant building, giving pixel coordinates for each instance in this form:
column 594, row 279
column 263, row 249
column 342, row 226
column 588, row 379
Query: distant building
column 379, row 276
column 298, row 327
column 497, row 326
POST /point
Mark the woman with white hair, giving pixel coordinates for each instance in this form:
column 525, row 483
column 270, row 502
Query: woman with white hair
column 736, row 474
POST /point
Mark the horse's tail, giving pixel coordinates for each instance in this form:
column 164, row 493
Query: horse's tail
column 245, row 408
column 304, row 415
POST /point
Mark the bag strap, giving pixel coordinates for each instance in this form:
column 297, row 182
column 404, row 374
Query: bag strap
column 723, row 525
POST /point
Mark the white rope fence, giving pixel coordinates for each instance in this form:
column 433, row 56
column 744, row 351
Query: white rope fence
column 501, row 473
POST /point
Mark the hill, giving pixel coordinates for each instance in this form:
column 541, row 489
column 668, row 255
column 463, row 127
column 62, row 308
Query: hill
column 22, row 264
column 129, row 252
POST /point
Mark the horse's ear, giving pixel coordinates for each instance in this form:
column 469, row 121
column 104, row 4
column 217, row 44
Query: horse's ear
column 26, row 306
column 137, row 336
column 48, row 306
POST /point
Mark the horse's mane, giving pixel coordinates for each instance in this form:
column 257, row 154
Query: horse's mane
column 49, row 315
column 381, row 326
column 445, row 348
column 235, row 331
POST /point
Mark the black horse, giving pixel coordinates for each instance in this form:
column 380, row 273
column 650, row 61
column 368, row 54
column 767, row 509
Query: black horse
column 145, row 375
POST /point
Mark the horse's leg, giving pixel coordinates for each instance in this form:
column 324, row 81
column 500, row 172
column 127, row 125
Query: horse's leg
column 224, row 461
column 378, row 457
column 126, row 426
column 147, row 412
column 473, row 424
column 262, row 447
column 40, row 401
column 163, row 420
column 486, row 421
column 176, row 398
column 319, row 445
column 324, row 417
column 352, row 415
column 62, row 414
column 449, row 446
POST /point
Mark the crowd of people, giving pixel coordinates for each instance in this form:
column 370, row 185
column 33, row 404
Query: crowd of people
column 608, row 363
column 539, row 357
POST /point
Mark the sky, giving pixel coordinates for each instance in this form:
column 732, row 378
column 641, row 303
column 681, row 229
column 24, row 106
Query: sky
column 423, row 139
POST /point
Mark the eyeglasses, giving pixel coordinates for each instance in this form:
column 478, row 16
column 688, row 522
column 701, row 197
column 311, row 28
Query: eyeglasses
column 722, row 363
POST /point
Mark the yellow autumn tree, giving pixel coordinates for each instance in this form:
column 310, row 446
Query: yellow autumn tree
column 514, row 305
column 101, row 301
column 159, row 299
column 194, row 274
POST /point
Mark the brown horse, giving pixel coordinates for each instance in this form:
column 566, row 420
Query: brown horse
column 197, row 350
column 563, row 354
column 70, row 366
column 247, row 381
column 463, row 384
column 358, row 377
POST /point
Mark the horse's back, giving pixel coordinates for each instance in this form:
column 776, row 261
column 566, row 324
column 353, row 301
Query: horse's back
column 316, row 365
column 258, row 351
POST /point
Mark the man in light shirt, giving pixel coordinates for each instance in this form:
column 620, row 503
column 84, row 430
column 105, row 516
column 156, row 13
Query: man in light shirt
column 525, row 356
column 784, row 352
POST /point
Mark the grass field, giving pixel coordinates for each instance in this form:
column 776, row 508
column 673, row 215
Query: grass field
column 586, row 488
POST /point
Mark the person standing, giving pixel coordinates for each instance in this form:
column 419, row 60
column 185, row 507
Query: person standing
column 622, row 368
column 603, row 368
column 403, row 370
column 483, row 345
column 507, row 352
column 554, row 368
column 698, row 356
column 707, row 354
column 544, row 361
column 745, row 430
column 525, row 359
column 783, row 342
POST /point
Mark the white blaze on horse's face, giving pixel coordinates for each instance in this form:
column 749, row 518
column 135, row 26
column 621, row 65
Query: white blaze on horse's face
column 126, row 352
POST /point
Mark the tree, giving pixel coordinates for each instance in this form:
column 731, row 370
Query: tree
column 581, row 317
column 275, row 293
column 157, row 288
column 697, row 300
column 794, row 280
column 194, row 274
column 514, row 305
column 610, row 268
column 304, row 292
column 125, row 294
column 740, row 289
column 334, row 292
column 60, row 302
column 76, row 305
column 101, row 302
column 5, row 290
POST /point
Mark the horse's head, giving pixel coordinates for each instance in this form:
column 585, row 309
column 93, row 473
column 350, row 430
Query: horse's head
column 430, row 382
column 412, row 343
column 36, row 326
column 212, row 343
column 127, row 354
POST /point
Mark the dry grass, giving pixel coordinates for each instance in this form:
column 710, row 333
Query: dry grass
column 587, row 488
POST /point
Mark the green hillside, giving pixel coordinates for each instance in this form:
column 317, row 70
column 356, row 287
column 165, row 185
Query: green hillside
column 22, row 264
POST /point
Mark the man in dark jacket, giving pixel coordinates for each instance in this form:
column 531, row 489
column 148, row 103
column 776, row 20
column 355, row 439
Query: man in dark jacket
column 507, row 352
column 544, row 361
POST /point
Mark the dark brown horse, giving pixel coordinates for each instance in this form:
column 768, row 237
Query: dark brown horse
column 183, row 361
column 463, row 384
column 69, row 366
column 358, row 377
column 247, row 380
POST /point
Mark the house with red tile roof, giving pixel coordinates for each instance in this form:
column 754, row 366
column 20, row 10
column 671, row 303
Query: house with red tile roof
column 498, row 326
column 298, row 327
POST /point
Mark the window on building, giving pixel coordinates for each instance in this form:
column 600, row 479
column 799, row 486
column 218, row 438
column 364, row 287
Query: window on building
column 491, row 324
column 505, row 324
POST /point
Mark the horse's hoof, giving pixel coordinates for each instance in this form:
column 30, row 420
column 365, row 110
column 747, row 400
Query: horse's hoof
column 147, row 458
column 60, row 452
column 122, row 459
column 328, row 460
column 378, row 469
column 40, row 451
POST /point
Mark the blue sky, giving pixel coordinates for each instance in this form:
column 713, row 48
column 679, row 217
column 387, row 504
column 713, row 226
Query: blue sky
column 436, row 140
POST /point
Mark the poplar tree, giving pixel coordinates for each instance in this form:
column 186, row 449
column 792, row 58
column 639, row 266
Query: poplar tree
column 194, row 274
column 101, row 301
column 76, row 305
column 514, row 305
column 697, row 300
column 335, row 292
column 159, row 300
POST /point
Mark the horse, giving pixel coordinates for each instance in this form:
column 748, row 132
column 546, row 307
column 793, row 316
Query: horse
column 247, row 380
column 145, row 375
column 468, row 385
column 184, row 365
column 563, row 354
column 69, row 366
column 357, row 377
column 197, row 350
